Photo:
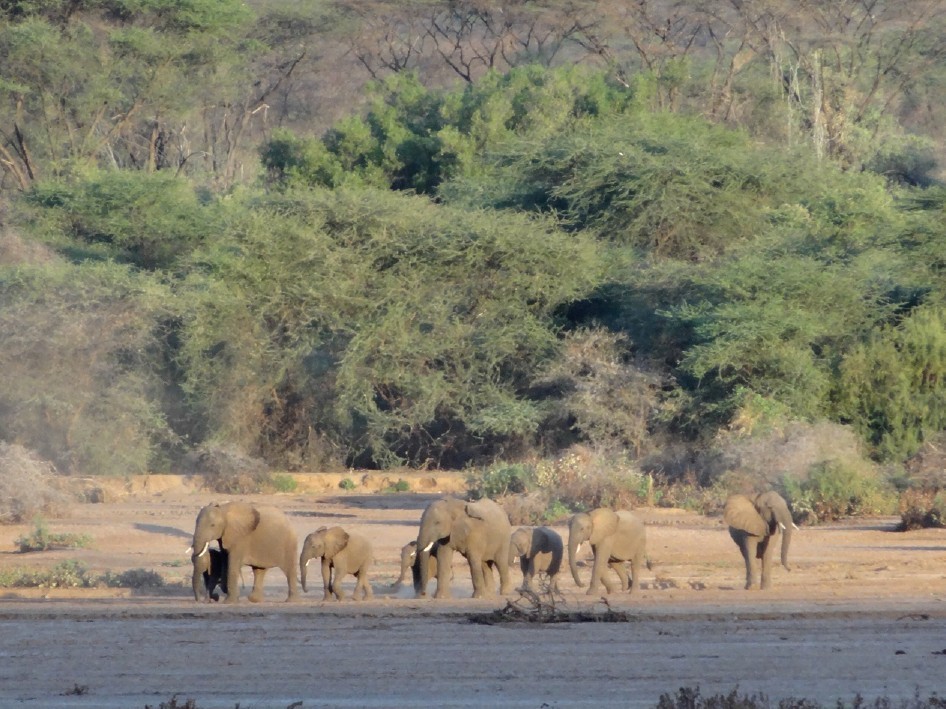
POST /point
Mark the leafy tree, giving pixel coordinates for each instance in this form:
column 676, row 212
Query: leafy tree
column 396, row 328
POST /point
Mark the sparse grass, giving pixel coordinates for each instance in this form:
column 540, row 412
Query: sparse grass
column 691, row 698
column 41, row 539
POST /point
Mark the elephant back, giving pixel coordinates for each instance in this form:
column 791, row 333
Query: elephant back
column 631, row 537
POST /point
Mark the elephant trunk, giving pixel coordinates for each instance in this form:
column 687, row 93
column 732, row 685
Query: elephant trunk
column 786, row 542
column 573, row 544
column 421, row 566
column 303, row 567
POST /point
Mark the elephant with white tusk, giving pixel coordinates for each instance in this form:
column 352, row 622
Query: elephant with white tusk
column 753, row 520
column 210, row 571
column 259, row 537
column 479, row 530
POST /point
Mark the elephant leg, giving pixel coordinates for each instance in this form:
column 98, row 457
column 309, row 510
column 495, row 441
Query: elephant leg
column 749, row 548
column 480, row 589
column 233, row 579
column 766, row 551
column 620, row 568
column 506, row 582
column 327, row 583
column 256, row 595
column 601, row 557
column 366, row 590
column 444, row 571
column 528, row 574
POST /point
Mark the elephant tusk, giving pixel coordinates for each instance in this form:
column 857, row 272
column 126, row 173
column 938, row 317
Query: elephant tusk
column 782, row 526
column 189, row 552
column 307, row 561
column 204, row 550
column 428, row 547
column 413, row 555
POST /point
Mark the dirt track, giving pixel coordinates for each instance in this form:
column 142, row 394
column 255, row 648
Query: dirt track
column 862, row 611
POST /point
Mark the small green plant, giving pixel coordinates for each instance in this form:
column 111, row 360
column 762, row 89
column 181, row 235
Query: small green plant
column 281, row 482
column 834, row 490
column 66, row 574
column 556, row 511
column 400, row 486
column 41, row 539
column 347, row 484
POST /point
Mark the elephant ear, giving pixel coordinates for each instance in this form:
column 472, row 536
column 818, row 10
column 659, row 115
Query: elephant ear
column 336, row 539
column 740, row 513
column 604, row 523
column 242, row 519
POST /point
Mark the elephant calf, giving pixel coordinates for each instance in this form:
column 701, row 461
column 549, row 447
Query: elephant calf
column 540, row 550
column 409, row 564
column 210, row 571
column 342, row 553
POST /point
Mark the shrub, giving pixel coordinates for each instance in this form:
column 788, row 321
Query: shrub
column 400, row 486
column 283, row 483
column 833, row 491
column 41, row 539
column 922, row 508
column 67, row 574
column 347, row 484
column 499, row 480
column 229, row 471
column 583, row 480
column 25, row 485
column 132, row 578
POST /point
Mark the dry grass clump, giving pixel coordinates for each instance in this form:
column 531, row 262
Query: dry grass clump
column 229, row 471
column 690, row 698
column 26, row 485
column 922, row 508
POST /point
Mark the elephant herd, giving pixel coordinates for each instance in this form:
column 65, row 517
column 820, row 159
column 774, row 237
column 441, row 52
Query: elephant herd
column 263, row 538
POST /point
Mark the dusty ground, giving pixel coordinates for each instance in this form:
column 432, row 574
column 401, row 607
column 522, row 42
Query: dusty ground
column 862, row 611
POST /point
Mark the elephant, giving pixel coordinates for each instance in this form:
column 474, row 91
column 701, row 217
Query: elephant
column 342, row 553
column 479, row 530
column 255, row 536
column 210, row 570
column 615, row 537
column 540, row 550
column 409, row 564
column 753, row 520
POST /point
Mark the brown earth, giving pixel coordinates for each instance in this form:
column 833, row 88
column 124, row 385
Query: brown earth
column 861, row 611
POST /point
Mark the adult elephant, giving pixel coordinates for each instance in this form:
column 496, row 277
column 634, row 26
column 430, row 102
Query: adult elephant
column 259, row 537
column 616, row 536
column 540, row 550
column 479, row 530
column 753, row 520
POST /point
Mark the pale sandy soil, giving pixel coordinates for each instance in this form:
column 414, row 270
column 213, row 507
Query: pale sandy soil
column 862, row 611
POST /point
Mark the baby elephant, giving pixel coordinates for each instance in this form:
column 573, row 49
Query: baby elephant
column 210, row 570
column 540, row 550
column 342, row 554
column 409, row 561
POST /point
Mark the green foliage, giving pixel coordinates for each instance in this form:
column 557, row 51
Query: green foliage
column 149, row 220
column 281, row 482
column 400, row 486
column 83, row 365
column 499, row 480
column 66, row 574
column 833, row 491
column 347, row 484
column 132, row 578
column 399, row 327
column 41, row 539
column 893, row 386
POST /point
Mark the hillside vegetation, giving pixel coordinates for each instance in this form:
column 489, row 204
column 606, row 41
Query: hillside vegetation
column 698, row 243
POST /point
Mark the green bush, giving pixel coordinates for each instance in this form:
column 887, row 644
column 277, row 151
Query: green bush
column 499, row 480
column 66, row 574
column 132, row 578
column 41, row 539
column 400, row 486
column 347, row 484
column 833, row 490
column 282, row 482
